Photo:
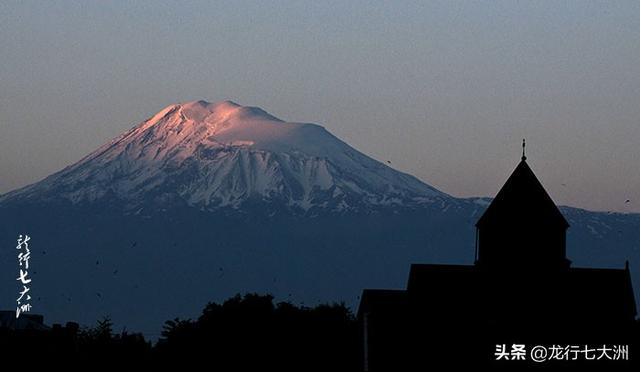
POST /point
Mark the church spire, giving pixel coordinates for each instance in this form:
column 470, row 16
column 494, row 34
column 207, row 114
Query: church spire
column 522, row 226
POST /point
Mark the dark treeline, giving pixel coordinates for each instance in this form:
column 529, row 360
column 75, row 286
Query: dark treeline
column 244, row 333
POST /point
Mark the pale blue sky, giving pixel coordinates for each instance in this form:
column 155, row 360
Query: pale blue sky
column 444, row 90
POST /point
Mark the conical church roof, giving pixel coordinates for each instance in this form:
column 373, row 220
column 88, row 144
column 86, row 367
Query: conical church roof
column 524, row 200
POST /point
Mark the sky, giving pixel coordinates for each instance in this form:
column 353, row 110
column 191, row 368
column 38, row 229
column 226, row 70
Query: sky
column 444, row 90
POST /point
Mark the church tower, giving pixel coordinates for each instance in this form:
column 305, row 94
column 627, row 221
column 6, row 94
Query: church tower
column 520, row 288
column 522, row 228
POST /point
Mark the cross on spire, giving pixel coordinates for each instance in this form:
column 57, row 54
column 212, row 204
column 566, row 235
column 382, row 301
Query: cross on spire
column 524, row 157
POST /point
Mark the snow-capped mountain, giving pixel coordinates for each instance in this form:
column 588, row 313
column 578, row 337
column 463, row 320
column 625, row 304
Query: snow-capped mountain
column 213, row 155
column 202, row 201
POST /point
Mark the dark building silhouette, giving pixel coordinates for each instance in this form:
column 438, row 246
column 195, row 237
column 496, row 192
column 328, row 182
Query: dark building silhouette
column 29, row 321
column 521, row 289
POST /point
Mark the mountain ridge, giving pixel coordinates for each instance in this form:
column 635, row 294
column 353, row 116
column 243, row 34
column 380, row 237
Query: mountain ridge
column 221, row 154
column 127, row 231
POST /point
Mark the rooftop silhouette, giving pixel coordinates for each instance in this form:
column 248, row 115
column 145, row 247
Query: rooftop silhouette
column 521, row 288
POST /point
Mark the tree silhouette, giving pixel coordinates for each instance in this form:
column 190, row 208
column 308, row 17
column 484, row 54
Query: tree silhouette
column 250, row 332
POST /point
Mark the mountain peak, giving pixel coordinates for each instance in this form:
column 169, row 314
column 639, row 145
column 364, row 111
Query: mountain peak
column 223, row 154
column 201, row 111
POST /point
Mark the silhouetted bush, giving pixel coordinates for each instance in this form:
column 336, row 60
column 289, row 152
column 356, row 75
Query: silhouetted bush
column 251, row 333
column 99, row 343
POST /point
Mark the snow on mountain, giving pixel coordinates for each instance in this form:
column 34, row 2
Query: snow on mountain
column 212, row 155
column 128, row 231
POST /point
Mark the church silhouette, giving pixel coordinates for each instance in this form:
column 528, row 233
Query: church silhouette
column 521, row 290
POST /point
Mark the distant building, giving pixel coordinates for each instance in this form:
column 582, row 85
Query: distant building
column 24, row 322
column 520, row 289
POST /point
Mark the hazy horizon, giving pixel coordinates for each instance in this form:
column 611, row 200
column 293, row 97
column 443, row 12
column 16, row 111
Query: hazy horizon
column 444, row 91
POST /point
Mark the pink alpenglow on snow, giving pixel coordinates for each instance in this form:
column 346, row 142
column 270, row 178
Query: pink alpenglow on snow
column 213, row 155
